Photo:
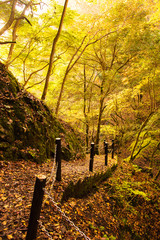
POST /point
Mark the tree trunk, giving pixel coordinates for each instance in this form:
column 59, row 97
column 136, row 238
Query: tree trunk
column 14, row 33
column 11, row 18
column 85, row 112
column 53, row 52
column 71, row 65
column 132, row 157
column 101, row 108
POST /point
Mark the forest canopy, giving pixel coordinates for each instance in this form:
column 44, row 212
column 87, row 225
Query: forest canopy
column 104, row 73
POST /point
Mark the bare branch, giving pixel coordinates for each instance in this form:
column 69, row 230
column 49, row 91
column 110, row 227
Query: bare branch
column 31, row 74
column 132, row 157
column 4, row 2
column 11, row 18
column 19, row 53
column 36, row 84
column 71, row 65
column 141, row 148
column 8, row 42
column 88, row 44
column 114, row 55
column 23, row 17
column 53, row 51
column 14, row 35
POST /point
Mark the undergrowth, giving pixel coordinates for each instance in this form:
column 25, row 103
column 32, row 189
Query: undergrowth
column 90, row 184
column 129, row 192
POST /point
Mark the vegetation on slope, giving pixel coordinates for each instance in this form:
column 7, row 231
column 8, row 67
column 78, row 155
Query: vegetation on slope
column 28, row 128
column 124, row 206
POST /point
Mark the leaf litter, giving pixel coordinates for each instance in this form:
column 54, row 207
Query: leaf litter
column 99, row 215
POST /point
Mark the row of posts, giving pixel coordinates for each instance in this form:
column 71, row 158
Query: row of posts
column 106, row 150
column 40, row 185
column 58, row 156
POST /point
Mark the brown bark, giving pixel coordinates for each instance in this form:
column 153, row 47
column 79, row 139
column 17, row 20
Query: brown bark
column 101, row 109
column 14, row 36
column 11, row 18
column 53, row 52
column 7, row 42
column 27, row 80
column 85, row 112
column 132, row 157
column 71, row 65
column 157, row 175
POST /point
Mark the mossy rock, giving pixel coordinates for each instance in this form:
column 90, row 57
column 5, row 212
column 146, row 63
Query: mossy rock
column 27, row 127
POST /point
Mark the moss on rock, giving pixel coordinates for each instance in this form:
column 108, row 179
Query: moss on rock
column 27, row 127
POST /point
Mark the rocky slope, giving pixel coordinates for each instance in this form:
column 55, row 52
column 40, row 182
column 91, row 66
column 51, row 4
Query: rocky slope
column 27, row 127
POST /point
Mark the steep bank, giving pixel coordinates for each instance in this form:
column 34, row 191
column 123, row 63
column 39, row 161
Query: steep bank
column 27, row 127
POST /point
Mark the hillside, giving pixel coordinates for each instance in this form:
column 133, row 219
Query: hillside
column 27, row 127
column 124, row 206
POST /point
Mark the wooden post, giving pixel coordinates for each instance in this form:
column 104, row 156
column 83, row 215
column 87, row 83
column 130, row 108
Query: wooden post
column 106, row 153
column 104, row 145
column 91, row 157
column 58, row 159
column 36, row 207
column 112, row 148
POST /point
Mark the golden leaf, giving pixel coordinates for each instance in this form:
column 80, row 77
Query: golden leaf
column 10, row 236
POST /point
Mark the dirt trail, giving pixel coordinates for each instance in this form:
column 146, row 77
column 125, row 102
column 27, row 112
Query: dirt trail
column 79, row 169
column 17, row 185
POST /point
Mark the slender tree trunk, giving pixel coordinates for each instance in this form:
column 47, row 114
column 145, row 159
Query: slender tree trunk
column 85, row 112
column 11, row 18
column 53, row 52
column 60, row 94
column 84, row 108
column 14, row 36
column 71, row 65
column 103, row 94
column 153, row 153
column 69, row 68
column 101, row 108
column 157, row 175
column 132, row 157
column 87, row 135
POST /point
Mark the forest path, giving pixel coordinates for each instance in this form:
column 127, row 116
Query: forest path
column 17, row 181
column 17, row 185
column 78, row 169
column 74, row 171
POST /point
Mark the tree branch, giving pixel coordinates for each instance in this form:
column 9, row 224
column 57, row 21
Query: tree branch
column 23, row 17
column 31, row 74
column 53, row 51
column 8, row 42
column 11, row 18
column 14, row 36
column 132, row 157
